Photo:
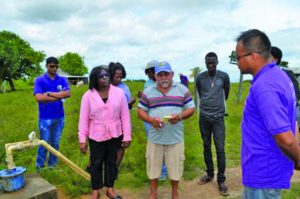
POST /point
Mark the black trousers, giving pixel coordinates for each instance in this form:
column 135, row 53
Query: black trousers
column 214, row 126
column 103, row 153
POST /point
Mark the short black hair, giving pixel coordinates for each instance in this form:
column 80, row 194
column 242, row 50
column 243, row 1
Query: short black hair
column 113, row 66
column 52, row 60
column 277, row 53
column 256, row 41
column 211, row 54
column 149, row 70
column 94, row 76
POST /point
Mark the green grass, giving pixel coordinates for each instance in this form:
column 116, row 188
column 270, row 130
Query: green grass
column 19, row 116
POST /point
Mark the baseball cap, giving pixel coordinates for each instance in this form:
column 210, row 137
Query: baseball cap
column 151, row 64
column 163, row 66
column 52, row 60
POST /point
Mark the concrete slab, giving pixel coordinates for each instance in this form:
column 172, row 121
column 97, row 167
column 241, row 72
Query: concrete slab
column 35, row 188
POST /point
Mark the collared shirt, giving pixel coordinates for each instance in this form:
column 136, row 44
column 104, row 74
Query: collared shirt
column 101, row 121
column 43, row 84
column 148, row 83
column 269, row 110
column 156, row 104
column 126, row 90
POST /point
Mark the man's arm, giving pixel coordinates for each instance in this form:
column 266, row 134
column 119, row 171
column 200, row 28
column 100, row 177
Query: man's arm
column 226, row 86
column 289, row 146
column 181, row 116
column 155, row 122
column 52, row 96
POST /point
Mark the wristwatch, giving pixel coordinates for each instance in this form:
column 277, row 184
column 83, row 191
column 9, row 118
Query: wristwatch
column 48, row 93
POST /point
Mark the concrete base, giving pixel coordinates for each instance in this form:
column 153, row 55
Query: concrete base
column 35, row 188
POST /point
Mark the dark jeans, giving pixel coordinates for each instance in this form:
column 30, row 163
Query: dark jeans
column 214, row 126
column 103, row 152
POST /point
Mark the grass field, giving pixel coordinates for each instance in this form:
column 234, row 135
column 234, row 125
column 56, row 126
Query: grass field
column 19, row 116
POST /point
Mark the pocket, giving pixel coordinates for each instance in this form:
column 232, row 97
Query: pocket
column 272, row 193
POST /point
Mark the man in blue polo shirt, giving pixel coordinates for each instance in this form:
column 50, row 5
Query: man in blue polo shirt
column 270, row 151
column 49, row 91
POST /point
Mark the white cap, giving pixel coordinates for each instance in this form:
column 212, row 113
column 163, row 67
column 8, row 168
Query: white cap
column 152, row 64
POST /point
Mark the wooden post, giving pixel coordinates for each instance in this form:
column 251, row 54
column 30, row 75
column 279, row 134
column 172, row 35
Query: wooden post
column 240, row 87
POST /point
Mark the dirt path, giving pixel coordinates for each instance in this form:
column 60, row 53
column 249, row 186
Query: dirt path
column 189, row 189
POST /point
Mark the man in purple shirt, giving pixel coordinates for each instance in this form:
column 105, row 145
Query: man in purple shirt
column 270, row 151
column 49, row 91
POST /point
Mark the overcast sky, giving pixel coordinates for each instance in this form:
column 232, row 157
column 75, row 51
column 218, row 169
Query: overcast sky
column 134, row 32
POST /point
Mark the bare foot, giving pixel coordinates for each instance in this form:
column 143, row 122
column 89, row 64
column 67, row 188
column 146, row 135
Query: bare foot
column 153, row 196
column 95, row 194
column 175, row 196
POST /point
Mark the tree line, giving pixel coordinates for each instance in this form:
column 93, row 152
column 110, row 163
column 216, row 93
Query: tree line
column 18, row 60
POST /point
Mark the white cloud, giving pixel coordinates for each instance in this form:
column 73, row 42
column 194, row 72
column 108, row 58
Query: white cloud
column 135, row 32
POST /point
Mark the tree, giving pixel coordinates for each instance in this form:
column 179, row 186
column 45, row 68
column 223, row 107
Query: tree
column 73, row 64
column 17, row 58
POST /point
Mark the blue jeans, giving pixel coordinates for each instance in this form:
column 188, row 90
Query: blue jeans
column 50, row 131
column 255, row 193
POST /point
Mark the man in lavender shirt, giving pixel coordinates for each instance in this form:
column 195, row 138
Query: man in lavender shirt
column 270, row 151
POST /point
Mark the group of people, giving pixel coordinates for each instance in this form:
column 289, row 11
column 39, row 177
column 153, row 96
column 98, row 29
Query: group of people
column 270, row 150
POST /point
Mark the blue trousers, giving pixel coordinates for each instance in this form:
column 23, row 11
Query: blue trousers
column 255, row 193
column 50, row 131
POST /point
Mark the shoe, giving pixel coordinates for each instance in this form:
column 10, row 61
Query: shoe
column 205, row 179
column 223, row 189
column 111, row 197
column 164, row 173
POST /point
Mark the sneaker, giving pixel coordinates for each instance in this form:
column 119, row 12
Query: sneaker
column 164, row 173
column 223, row 189
column 205, row 179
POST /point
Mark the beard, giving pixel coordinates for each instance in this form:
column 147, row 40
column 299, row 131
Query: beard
column 165, row 83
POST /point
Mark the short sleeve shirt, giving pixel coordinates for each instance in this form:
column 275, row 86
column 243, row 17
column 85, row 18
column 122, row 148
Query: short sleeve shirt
column 269, row 110
column 158, row 105
column 43, row 84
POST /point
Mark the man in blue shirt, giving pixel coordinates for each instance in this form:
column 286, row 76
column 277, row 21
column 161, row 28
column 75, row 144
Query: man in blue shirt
column 49, row 91
column 270, row 150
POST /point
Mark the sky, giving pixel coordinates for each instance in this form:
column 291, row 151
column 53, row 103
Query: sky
column 134, row 32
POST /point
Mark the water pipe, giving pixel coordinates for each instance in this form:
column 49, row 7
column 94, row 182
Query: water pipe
column 32, row 142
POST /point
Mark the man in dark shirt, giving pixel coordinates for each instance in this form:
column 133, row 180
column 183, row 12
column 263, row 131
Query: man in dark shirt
column 213, row 87
column 277, row 55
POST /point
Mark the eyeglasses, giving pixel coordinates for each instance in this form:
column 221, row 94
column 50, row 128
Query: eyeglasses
column 53, row 65
column 245, row 55
column 102, row 76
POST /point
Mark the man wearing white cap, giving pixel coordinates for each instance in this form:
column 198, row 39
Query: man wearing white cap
column 165, row 143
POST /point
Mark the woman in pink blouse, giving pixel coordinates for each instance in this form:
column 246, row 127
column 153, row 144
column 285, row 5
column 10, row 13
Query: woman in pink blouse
column 104, row 119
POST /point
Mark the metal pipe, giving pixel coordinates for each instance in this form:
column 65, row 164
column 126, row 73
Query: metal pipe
column 10, row 147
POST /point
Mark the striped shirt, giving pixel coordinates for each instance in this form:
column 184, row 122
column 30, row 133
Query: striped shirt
column 156, row 104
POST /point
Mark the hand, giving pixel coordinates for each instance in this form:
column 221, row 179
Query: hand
column 83, row 147
column 297, row 166
column 125, row 144
column 139, row 95
column 132, row 101
column 157, row 123
column 174, row 118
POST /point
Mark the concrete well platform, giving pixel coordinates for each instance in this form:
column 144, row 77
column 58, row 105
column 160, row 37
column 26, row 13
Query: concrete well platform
column 35, row 188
